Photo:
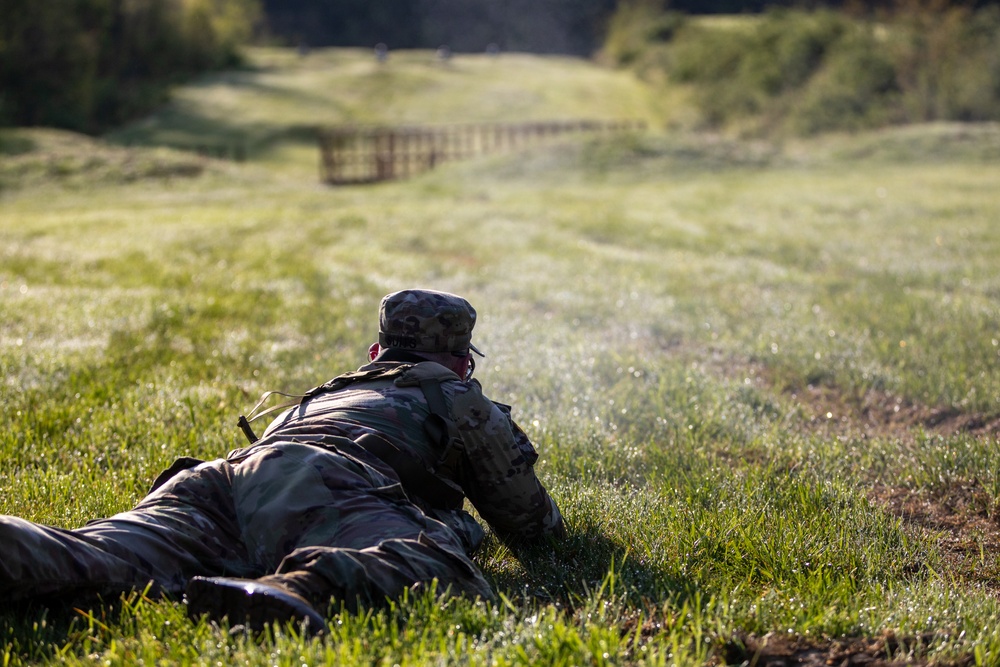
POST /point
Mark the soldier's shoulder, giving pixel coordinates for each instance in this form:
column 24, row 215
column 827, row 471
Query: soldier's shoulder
column 424, row 371
column 476, row 410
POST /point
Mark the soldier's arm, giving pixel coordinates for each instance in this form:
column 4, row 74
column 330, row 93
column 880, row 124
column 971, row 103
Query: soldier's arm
column 499, row 479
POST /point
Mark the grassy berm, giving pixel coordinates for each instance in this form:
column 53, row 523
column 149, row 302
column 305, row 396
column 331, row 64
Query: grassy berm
column 764, row 379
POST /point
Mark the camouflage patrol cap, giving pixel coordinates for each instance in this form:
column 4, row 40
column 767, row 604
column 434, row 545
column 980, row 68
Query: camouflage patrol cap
column 426, row 321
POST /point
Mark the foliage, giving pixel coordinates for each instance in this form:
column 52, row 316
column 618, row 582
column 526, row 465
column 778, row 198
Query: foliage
column 536, row 26
column 634, row 25
column 808, row 72
column 947, row 63
column 91, row 64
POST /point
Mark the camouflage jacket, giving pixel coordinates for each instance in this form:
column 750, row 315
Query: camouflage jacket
column 489, row 458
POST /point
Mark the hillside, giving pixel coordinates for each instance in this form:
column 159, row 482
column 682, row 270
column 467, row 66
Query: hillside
column 281, row 97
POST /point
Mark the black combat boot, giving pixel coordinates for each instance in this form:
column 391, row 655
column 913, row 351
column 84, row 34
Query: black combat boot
column 255, row 602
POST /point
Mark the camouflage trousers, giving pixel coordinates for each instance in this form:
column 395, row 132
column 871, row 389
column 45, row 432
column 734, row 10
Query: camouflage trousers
column 281, row 508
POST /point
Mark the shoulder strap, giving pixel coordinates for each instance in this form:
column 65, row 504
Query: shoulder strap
column 435, row 396
column 347, row 379
column 441, row 428
column 438, row 422
column 336, row 384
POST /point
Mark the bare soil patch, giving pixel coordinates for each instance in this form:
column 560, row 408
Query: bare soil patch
column 879, row 414
column 960, row 518
column 774, row 650
column 834, row 411
column 959, row 523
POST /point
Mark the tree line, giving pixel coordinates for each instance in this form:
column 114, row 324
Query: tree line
column 538, row 26
column 89, row 65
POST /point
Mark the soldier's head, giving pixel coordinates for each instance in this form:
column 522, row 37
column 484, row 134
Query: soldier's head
column 433, row 325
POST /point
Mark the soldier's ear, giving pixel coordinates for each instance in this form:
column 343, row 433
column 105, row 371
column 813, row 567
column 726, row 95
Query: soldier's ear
column 373, row 351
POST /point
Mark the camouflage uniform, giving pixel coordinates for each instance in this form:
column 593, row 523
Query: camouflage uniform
column 309, row 497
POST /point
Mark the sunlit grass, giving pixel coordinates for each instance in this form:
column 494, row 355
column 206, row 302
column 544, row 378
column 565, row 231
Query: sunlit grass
column 657, row 309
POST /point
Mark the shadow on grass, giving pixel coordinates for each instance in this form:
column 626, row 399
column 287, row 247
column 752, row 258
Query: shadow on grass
column 12, row 144
column 216, row 138
column 183, row 127
column 586, row 563
column 36, row 628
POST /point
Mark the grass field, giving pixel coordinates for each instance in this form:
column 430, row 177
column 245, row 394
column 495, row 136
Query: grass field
column 764, row 379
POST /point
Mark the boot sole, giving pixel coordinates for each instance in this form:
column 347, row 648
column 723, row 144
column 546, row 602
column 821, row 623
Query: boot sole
column 248, row 602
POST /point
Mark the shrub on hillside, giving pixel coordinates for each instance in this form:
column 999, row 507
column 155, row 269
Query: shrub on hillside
column 816, row 71
column 751, row 70
column 635, row 27
column 857, row 88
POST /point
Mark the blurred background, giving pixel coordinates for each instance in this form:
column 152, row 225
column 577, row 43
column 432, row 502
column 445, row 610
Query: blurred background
column 802, row 67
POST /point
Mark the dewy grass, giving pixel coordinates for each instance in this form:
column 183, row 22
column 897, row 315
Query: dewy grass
column 660, row 311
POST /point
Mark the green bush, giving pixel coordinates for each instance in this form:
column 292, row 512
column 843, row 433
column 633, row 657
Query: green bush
column 808, row 72
column 856, row 89
column 704, row 55
column 635, row 26
column 787, row 48
column 746, row 72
